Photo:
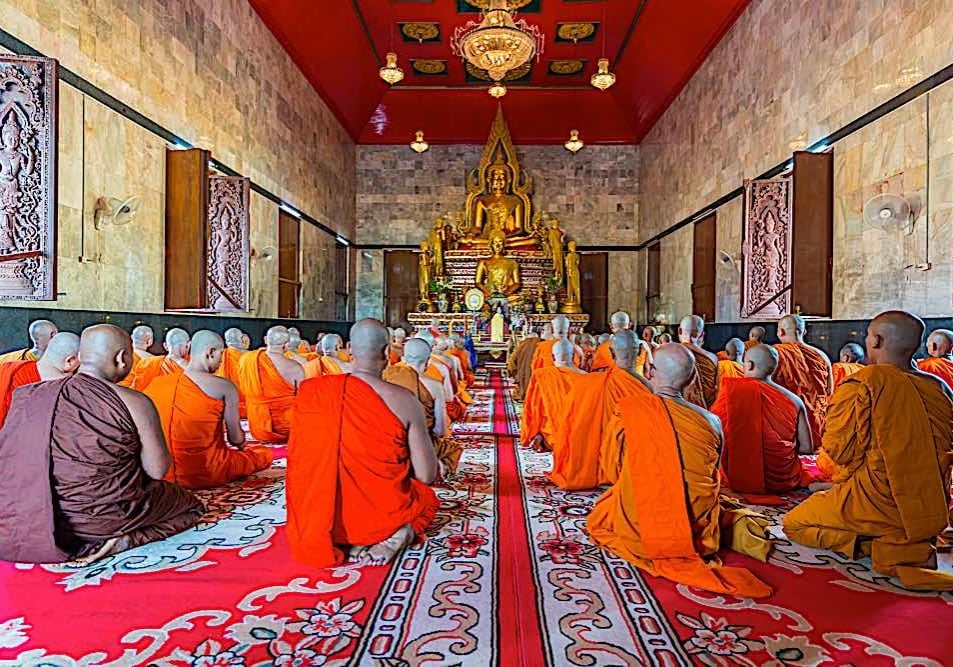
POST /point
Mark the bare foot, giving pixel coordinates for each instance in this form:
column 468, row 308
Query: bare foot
column 356, row 555
column 813, row 487
column 113, row 545
column 384, row 551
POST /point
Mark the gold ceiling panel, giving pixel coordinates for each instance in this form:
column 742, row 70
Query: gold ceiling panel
column 484, row 4
column 512, row 75
column 566, row 67
column 420, row 32
column 575, row 32
column 429, row 67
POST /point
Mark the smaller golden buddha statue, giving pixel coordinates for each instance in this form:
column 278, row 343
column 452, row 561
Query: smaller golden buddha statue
column 498, row 275
column 554, row 239
column 423, row 277
column 573, row 294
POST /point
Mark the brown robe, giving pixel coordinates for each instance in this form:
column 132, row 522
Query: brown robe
column 521, row 365
column 77, row 433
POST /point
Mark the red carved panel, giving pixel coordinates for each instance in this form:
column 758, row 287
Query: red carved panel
column 28, row 116
column 228, row 247
column 766, row 265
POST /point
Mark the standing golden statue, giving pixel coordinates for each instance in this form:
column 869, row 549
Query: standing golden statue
column 423, row 277
column 437, row 245
column 554, row 240
column 572, row 304
column 498, row 275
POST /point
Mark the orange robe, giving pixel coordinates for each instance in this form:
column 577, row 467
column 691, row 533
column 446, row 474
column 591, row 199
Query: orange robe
column 323, row 365
column 842, row 371
column 703, row 389
column 456, row 410
column 229, row 371
column 304, row 349
column 149, row 368
column 136, row 360
column 14, row 374
column 664, row 514
column 890, row 431
column 464, row 358
column 760, row 429
column 195, row 432
column 938, row 366
column 723, row 356
column 268, row 397
column 546, row 404
column 25, row 354
column 543, row 354
column 344, row 355
column 729, row 369
column 602, row 359
column 751, row 343
column 395, row 353
column 804, row 371
column 589, row 450
column 353, row 485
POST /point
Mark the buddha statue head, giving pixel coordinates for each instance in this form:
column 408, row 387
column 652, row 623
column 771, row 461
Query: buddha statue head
column 498, row 176
column 497, row 242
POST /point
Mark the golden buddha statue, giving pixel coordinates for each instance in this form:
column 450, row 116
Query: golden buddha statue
column 573, row 293
column 499, row 210
column 498, row 275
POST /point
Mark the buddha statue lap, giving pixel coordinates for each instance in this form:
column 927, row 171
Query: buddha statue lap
column 498, row 274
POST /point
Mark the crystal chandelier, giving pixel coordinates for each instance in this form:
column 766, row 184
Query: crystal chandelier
column 391, row 72
column 419, row 144
column 498, row 43
column 574, row 145
column 603, row 79
column 497, row 90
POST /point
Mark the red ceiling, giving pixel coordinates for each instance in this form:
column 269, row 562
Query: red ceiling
column 340, row 51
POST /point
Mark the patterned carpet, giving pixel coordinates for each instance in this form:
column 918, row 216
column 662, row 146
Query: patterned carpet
column 507, row 577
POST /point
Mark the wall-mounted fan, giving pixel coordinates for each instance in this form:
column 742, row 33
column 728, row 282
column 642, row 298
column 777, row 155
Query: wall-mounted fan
column 891, row 211
column 117, row 212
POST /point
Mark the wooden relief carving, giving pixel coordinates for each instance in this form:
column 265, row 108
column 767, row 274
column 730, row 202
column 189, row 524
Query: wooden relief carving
column 28, row 115
column 228, row 243
column 766, row 266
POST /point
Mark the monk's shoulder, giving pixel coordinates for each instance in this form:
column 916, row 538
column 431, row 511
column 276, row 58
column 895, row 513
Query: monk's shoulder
column 790, row 395
column 135, row 401
column 710, row 420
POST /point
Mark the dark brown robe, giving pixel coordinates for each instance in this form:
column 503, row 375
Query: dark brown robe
column 78, row 434
column 521, row 365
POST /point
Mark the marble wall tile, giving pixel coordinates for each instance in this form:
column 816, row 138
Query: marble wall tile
column 676, row 283
column 264, row 272
column 317, row 271
column 370, row 284
column 627, row 284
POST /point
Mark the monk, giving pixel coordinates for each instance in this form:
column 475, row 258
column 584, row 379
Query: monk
column 648, row 337
column 890, row 429
column 940, row 359
column 294, row 347
column 850, row 360
column 146, row 370
column 59, row 359
column 142, row 339
column 269, row 381
column 588, row 346
column 805, row 370
column 459, row 350
column 732, row 366
column 246, row 342
column 765, row 427
column 197, row 409
column 82, row 462
column 41, row 333
column 589, row 449
column 411, row 374
column 703, row 387
column 397, row 345
column 228, row 369
column 552, row 331
column 362, row 486
column 602, row 358
column 755, row 337
column 547, row 400
column 442, row 349
column 329, row 363
column 664, row 339
column 520, row 363
column 664, row 514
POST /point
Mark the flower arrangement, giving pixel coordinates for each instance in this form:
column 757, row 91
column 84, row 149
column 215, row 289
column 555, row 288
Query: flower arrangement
column 440, row 285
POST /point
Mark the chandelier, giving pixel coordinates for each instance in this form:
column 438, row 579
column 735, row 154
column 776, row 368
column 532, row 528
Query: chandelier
column 574, row 145
column 498, row 43
column 418, row 144
column 603, row 79
column 497, row 90
column 391, row 72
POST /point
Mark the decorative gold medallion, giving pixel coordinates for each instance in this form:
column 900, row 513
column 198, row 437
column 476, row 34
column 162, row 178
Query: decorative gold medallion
column 512, row 75
column 575, row 32
column 474, row 299
column 485, row 4
column 420, row 32
column 566, row 67
column 429, row 67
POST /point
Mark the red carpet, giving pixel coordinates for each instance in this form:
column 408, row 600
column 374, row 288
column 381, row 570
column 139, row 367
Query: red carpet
column 507, row 577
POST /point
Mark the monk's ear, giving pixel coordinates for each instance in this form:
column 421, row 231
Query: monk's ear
column 71, row 363
column 122, row 359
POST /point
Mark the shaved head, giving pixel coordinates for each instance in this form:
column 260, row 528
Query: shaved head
column 62, row 354
column 41, row 332
column 417, row 352
column 177, row 342
column 276, row 337
column 761, row 361
column 206, row 351
column 620, row 320
column 893, row 337
column 691, row 329
column 330, row 344
column 105, row 352
column 791, row 328
column 294, row 337
column 142, row 336
column 853, row 353
column 664, row 338
column 648, row 334
column 756, row 333
column 427, row 336
column 205, row 339
column 560, row 326
column 673, row 367
column 604, row 338
column 625, row 348
column 735, row 349
column 399, row 334
column 442, row 344
column 547, row 332
column 563, row 352
column 233, row 337
column 369, row 343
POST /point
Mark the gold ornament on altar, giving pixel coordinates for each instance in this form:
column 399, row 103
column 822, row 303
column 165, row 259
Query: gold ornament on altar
column 498, row 43
column 423, row 277
column 573, row 296
column 555, row 239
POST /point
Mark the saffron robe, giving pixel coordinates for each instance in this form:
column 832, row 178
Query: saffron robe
column 14, row 374
column 891, row 432
column 353, row 485
column 664, row 514
column 136, row 360
column 323, row 365
column 448, row 450
column 842, row 371
column 602, row 358
column 395, row 353
column 546, row 404
column 938, row 366
column 149, row 368
column 760, row 428
column 729, row 369
column 25, row 354
column 229, row 371
column 590, row 447
column 71, row 477
column 543, row 355
column 520, row 365
column 805, row 371
column 464, row 357
column 268, row 397
column 703, row 388
column 195, row 433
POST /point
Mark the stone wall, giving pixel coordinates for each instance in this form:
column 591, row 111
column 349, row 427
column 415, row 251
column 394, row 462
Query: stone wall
column 213, row 74
column 781, row 79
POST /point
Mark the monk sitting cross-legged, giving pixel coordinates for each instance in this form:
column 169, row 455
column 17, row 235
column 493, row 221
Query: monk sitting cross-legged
column 805, row 370
column 732, row 366
column 196, row 408
column 664, row 514
column 82, row 462
column 459, row 350
column 359, row 462
column 148, row 369
column 544, row 412
column 765, row 427
column 329, row 363
column 411, row 374
column 142, row 339
column 703, row 387
column 940, row 361
column 648, row 337
column 851, row 360
column 443, row 347
column 755, row 337
column 602, row 357
column 589, row 449
column 543, row 354
column 59, row 360
column 889, row 429
column 269, row 381
column 234, row 350
column 294, row 350
column 397, row 340
column 520, row 364
column 41, row 333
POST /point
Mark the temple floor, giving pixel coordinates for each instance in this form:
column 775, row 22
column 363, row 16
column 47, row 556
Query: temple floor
column 507, row 577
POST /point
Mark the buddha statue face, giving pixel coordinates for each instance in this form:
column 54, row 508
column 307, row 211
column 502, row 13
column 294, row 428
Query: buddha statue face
column 499, row 180
column 572, row 246
column 497, row 244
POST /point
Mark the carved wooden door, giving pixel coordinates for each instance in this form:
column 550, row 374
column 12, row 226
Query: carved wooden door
column 28, row 118
column 400, row 285
column 594, row 288
column 766, row 249
column 703, row 268
column 186, row 229
column 289, row 282
column 228, row 217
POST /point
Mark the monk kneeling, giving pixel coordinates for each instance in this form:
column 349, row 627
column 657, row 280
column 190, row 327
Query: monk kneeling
column 940, row 359
column 547, row 399
column 82, row 462
column 664, row 513
column 732, row 366
column 59, row 360
column 851, row 360
column 269, row 380
column 359, row 462
column 765, row 427
column 193, row 406
column 889, row 430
